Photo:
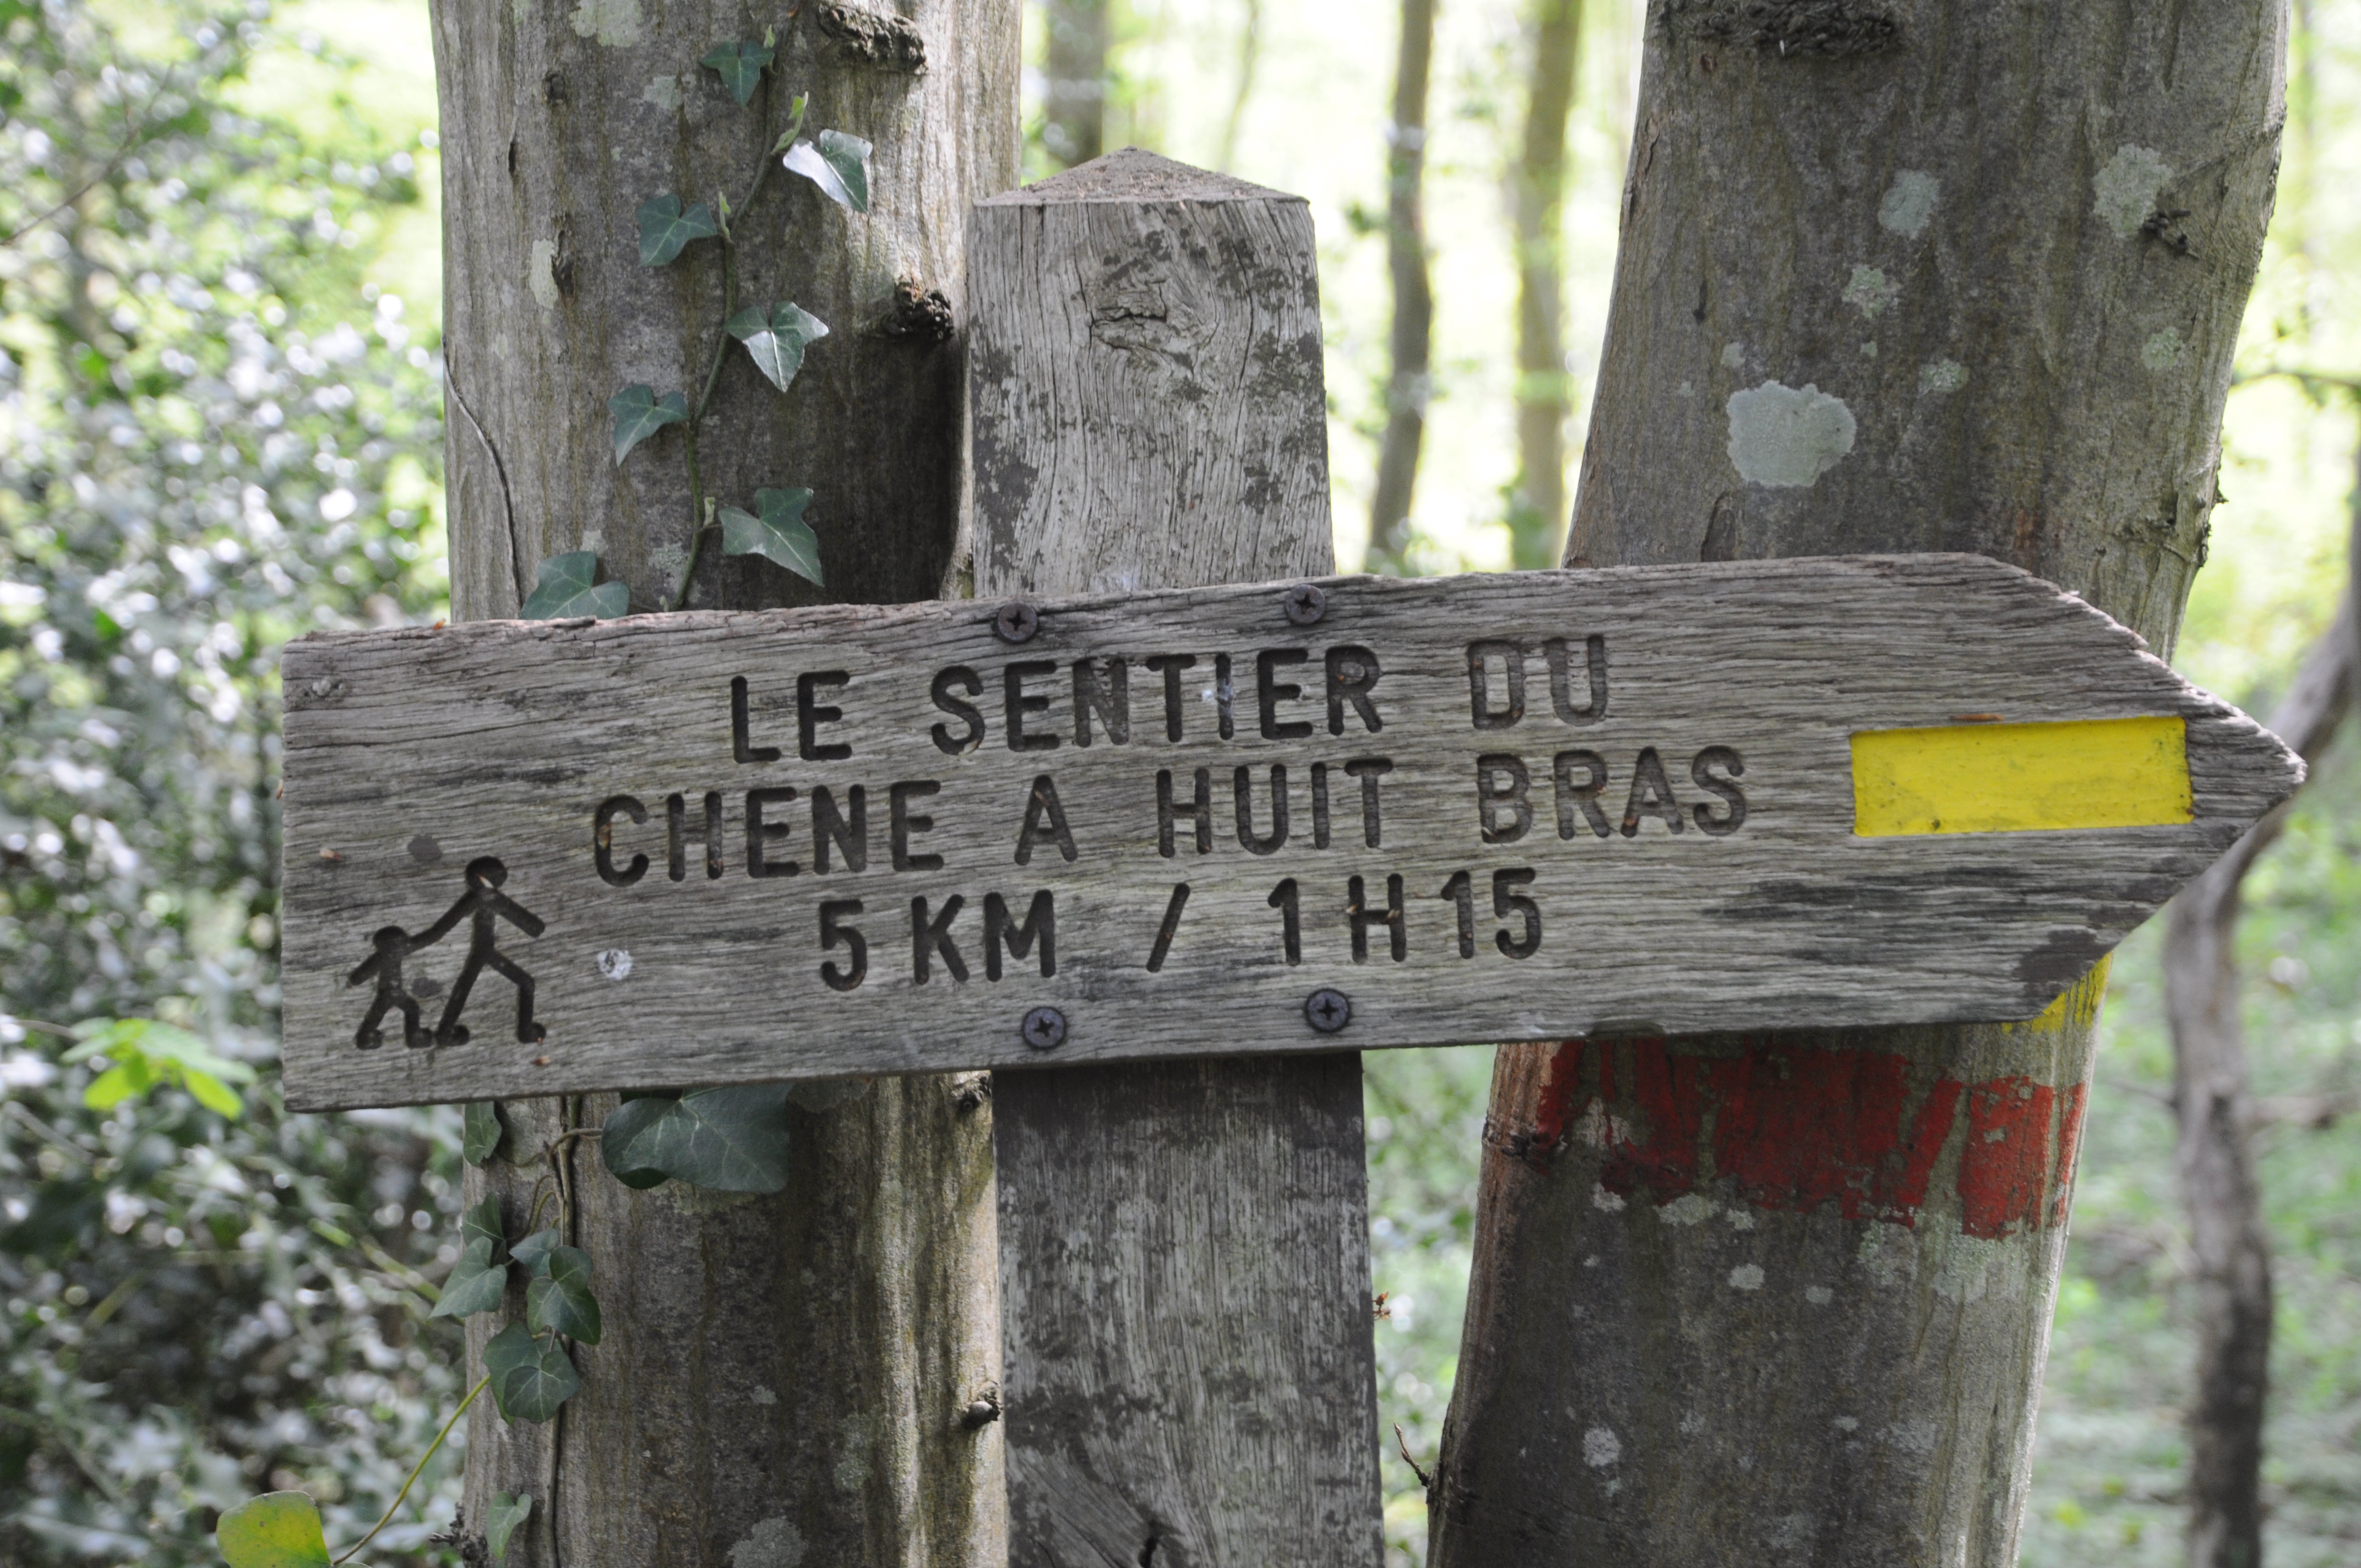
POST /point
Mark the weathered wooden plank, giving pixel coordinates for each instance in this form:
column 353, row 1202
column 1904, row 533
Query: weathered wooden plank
column 1189, row 1369
column 413, row 753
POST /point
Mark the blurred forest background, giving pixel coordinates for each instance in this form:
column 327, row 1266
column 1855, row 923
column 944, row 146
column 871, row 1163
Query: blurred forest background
column 220, row 426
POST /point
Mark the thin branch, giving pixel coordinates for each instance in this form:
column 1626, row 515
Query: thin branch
column 416, row 1469
column 135, row 136
column 1403, row 1443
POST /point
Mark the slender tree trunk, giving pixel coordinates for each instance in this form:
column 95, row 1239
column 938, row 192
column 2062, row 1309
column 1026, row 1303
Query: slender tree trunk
column 1412, row 381
column 2214, row 1096
column 1075, row 128
column 1963, row 276
column 1544, row 391
column 1249, row 61
column 781, row 1378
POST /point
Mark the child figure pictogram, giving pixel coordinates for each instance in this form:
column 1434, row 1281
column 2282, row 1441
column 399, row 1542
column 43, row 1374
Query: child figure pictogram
column 393, row 945
column 483, row 906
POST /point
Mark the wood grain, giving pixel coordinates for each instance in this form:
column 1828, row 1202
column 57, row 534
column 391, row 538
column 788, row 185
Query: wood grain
column 410, row 754
column 1186, row 1333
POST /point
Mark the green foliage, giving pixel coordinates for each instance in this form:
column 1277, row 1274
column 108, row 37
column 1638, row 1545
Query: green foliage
column 568, row 586
column 213, row 438
column 508, row 1517
column 740, row 66
column 775, row 531
column 483, row 1133
column 149, row 1054
column 476, row 1284
column 731, row 1140
column 775, row 339
column 277, row 1530
column 838, row 164
column 482, row 1223
column 532, row 1253
column 530, row 1377
column 640, row 413
column 560, row 1302
column 665, row 230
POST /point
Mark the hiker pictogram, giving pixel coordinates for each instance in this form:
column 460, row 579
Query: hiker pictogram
column 483, row 906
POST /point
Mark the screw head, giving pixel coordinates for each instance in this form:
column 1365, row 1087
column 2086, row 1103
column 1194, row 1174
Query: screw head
column 1305, row 602
column 1327, row 1010
column 1044, row 1029
column 1016, row 621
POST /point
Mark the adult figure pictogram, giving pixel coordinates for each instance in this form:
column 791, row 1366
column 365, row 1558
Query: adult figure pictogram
column 483, row 906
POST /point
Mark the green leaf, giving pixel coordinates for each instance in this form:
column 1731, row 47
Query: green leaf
column 568, row 586
column 482, row 1223
column 777, row 340
column 534, row 1250
column 665, row 230
column 530, row 1377
column 731, row 1140
column 147, row 1054
column 563, row 1303
column 484, row 1131
column 640, row 413
column 775, row 531
column 476, row 1285
column 509, row 1515
column 741, row 67
column 119, row 1083
column 277, row 1530
column 838, row 164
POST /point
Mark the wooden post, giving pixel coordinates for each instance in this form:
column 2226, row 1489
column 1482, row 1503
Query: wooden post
column 1185, row 1247
column 781, row 1378
column 1958, row 277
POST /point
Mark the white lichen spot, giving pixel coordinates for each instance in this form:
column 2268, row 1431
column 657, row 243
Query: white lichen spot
column 1941, row 376
column 1788, row 1533
column 762, row 1396
column 1818, row 1295
column 2126, row 188
column 1914, row 1436
column 541, row 273
column 1599, row 1128
column 1693, row 1423
column 1976, row 1266
column 2164, row 350
column 1605, row 1201
column 1746, row 1276
column 1848, row 1423
column 1740, row 1220
column 1601, row 1448
column 1590, row 1262
column 772, row 1543
column 664, row 92
column 1889, row 1254
column 1685, row 390
column 615, row 22
column 1788, row 437
column 1870, row 290
column 1733, row 354
column 1910, row 202
column 615, row 963
column 668, row 559
column 1688, row 1209
column 1868, row 348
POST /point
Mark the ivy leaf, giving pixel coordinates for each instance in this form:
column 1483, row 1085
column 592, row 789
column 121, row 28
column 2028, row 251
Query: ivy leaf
column 640, row 413
column 562, row 1303
column 741, row 67
column 482, row 1223
column 530, row 1377
column 729, row 1140
column 482, row 1139
column 775, row 531
column 534, row 1250
column 836, row 163
column 777, row 340
column 476, row 1285
column 508, row 1517
column 665, row 230
column 277, row 1530
column 567, row 586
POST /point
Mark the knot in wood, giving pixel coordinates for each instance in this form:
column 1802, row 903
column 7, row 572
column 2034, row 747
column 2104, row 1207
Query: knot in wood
column 890, row 41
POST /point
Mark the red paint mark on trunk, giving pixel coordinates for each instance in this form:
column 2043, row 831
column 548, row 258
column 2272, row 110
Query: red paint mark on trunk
column 1660, row 1153
column 1553, row 1117
column 2004, row 1169
column 2069, row 1144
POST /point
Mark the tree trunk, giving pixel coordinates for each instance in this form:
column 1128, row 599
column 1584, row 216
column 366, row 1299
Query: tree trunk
column 1412, row 380
column 1074, row 111
column 1184, row 1246
column 1544, row 390
column 1249, row 61
column 1892, row 278
column 786, row 1372
column 2212, row 1095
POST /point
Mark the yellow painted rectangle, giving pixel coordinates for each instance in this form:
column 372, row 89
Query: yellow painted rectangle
column 2019, row 778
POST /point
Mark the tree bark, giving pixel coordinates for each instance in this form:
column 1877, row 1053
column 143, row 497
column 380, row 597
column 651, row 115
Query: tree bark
column 1892, row 278
column 1411, row 382
column 1074, row 109
column 1544, row 390
column 783, row 1372
column 2212, row 1095
column 1184, row 1246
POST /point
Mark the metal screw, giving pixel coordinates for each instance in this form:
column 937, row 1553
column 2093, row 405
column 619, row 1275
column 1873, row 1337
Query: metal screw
column 1045, row 1029
column 1016, row 621
column 1305, row 602
column 1327, row 1010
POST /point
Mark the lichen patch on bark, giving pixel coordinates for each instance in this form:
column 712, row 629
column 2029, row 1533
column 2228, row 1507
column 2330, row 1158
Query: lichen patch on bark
column 1788, row 437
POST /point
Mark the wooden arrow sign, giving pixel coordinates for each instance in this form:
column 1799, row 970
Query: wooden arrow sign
column 528, row 858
